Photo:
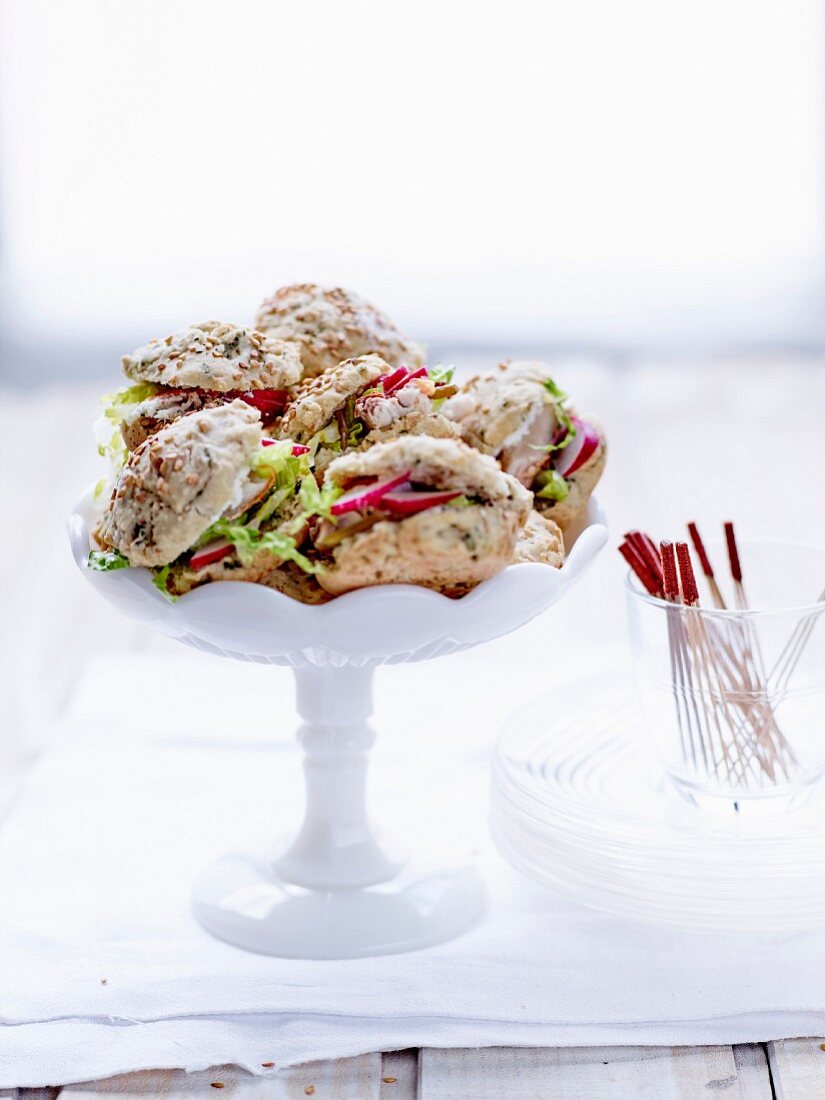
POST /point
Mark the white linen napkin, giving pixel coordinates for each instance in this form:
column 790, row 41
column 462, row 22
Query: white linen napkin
column 166, row 763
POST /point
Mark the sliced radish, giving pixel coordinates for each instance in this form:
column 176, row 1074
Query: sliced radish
column 579, row 450
column 212, row 552
column 365, row 496
column 389, row 380
column 269, row 403
column 404, row 379
column 297, row 448
column 406, row 502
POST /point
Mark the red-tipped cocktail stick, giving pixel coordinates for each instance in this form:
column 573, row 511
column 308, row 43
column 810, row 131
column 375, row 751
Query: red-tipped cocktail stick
column 733, row 553
column 640, row 568
column 690, row 592
column 707, row 568
column 699, row 547
column 645, row 547
column 669, row 575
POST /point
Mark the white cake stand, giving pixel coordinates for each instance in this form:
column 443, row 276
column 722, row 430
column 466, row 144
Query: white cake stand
column 336, row 891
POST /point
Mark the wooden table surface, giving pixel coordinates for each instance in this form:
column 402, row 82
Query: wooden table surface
column 793, row 1069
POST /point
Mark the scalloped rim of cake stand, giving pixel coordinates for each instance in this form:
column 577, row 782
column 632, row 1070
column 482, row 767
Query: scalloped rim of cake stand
column 398, row 622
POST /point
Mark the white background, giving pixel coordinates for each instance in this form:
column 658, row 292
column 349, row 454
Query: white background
column 612, row 175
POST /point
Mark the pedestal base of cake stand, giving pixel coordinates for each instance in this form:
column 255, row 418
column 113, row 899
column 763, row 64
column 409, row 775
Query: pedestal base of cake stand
column 335, row 892
column 247, row 904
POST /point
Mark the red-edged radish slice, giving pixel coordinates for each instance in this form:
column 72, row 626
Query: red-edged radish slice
column 579, row 450
column 408, row 377
column 406, row 502
column 269, row 403
column 365, row 496
column 212, row 552
column 389, row 380
column 297, row 448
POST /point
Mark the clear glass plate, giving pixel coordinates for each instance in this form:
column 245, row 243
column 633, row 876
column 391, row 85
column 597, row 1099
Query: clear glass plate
column 580, row 803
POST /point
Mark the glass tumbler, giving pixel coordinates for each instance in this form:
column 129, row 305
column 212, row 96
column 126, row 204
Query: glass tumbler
column 735, row 699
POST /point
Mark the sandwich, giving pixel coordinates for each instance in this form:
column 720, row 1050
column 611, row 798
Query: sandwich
column 365, row 401
column 521, row 417
column 209, row 498
column 540, row 541
column 197, row 368
column 418, row 510
column 330, row 325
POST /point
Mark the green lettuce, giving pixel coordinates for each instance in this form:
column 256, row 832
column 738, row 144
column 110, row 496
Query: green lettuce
column 552, row 485
column 105, row 560
column 117, row 407
column 160, row 580
column 249, row 541
column 441, row 375
column 328, row 437
column 117, row 403
column 115, row 451
column 558, row 399
column 315, row 500
column 278, row 459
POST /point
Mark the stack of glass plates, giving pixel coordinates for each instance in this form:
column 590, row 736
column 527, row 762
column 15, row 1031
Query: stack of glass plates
column 580, row 804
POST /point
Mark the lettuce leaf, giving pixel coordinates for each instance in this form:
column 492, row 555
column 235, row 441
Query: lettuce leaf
column 555, row 391
column 160, row 578
column 288, row 469
column 112, row 446
column 249, row 541
column 441, row 375
column 116, row 403
column 328, row 437
column 105, row 560
column 315, row 500
column 278, row 459
column 552, row 485
column 115, row 450
column 558, row 399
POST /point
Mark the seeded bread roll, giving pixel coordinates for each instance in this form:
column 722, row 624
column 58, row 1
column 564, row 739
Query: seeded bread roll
column 494, row 413
column 155, row 413
column 540, row 540
column 330, row 325
column 448, row 548
column 440, row 463
column 177, row 483
column 318, row 399
column 432, row 424
column 292, row 581
column 216, row 356
column 510, row 414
